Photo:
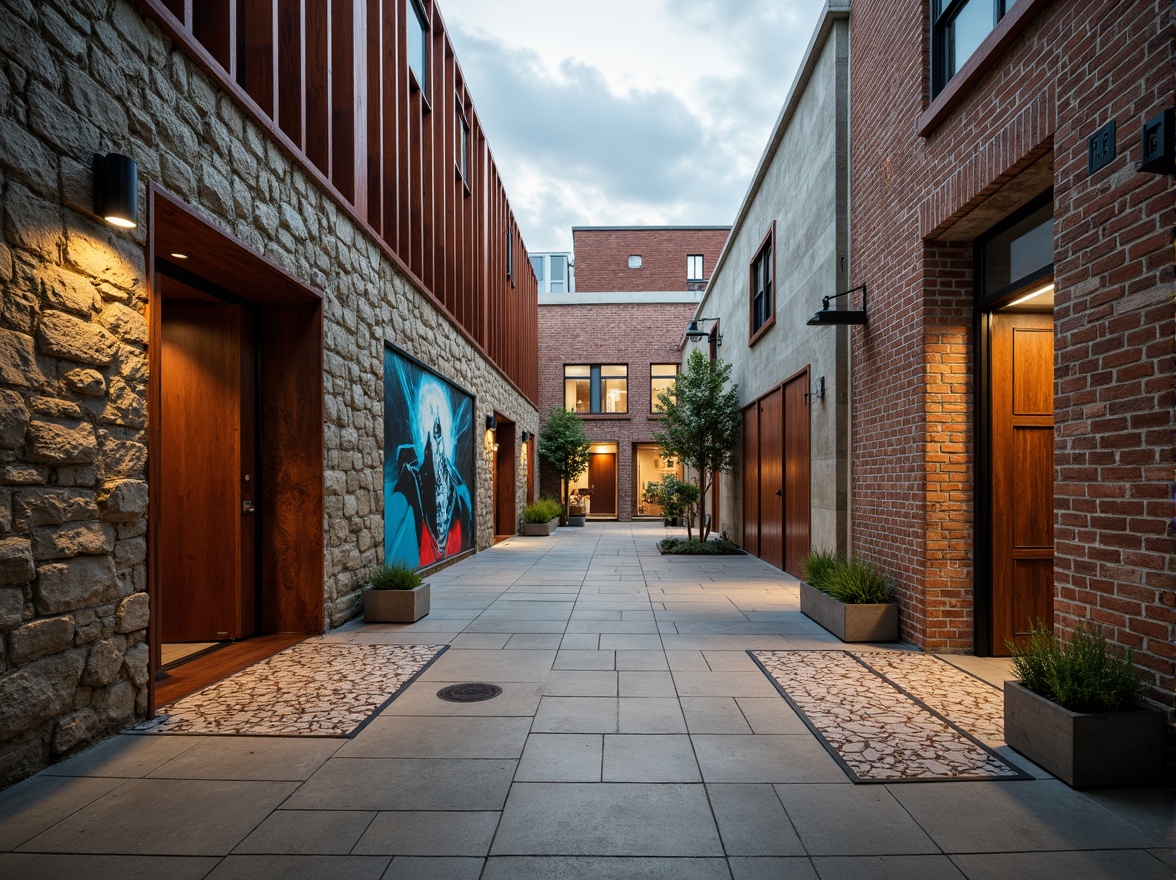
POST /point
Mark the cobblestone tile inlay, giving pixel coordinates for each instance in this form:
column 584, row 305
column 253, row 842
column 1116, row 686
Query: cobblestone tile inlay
column 315, row 688
column 878, row 733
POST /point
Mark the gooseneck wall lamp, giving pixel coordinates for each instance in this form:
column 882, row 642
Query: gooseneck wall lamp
column 831, row 317
column 694, row 332
column 116, row 190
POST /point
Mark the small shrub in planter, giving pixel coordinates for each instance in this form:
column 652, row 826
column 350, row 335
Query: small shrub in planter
column 848, row 597
column 540, row 518
column 696, row 547
column 577, row 515
column 397, row 595
column 1075, row 711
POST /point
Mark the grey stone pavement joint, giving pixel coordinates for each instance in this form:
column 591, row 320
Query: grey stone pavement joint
column 634, row 737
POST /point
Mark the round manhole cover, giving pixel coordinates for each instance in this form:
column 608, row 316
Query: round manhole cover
column 469, row 692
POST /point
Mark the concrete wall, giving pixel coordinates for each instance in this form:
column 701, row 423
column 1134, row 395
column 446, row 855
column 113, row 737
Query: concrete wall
column 80, row 78
column 802, row 187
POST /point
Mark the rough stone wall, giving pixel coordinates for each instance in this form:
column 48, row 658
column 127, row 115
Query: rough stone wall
column 83, row 77
column 637, row 334
column 602, row 256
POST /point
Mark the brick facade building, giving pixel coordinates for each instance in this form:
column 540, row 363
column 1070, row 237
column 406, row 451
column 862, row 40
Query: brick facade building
column 645, row 258
column 1012, row 460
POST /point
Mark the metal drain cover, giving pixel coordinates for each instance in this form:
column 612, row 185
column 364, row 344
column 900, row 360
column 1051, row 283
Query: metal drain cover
column 469, row 692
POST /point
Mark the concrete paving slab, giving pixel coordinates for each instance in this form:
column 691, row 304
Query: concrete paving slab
column 887, row 868
column 580, row 641
column 576, row 715
column 411, row 736
column 50, row 866
column 770, row 715
column 29, row 808
column 765, row 759
column 641, row 660
column 183, row 817
column 822, row 813
column 405, row 784
column 723, row 684
column 744, row 868
column 607, row 819
column 587, row 868
column 532, row 641
column 650, row 715
column 649, row 758
column 581, row 683
column 646, row 684
column 307, row 832
column 129, row 755
column 1095, row 865
column 253, row 757
column 424, row 833
column 428, row 868
column 496, row 667
column 561, row 757
column 752, row 821
column 271, row 867
column 420, row 698
column 585, row 659
column 714, row 715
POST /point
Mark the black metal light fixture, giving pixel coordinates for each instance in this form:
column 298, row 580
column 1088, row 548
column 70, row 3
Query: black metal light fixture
column 526, row 436
column 1158, row 149
column 693, row 331
column 116, row 190
column 831, row 317
column 491, row 422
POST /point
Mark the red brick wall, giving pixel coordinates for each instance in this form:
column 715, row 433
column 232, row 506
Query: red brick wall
column 602, row 256
column 637, row 334
column 1075, row 66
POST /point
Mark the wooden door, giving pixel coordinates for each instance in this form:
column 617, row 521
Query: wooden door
column 1021, row 363
column 797, row 473
column 208, row 381
column 750, row 466
column 771, row 482
column 602, row 483
column 505, row 481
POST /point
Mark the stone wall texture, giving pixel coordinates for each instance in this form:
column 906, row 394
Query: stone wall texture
column 95, row 76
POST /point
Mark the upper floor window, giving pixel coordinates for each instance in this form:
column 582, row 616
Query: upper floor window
column 763, row 287
column 510, row 253
column 596, row 388
column 418, row 45
column 661, row 378
column 634, row 261
column 559, row 274
column 539, row 266
column 957, row 30
column 694, row 267
column 462, row 147
column 553, row 272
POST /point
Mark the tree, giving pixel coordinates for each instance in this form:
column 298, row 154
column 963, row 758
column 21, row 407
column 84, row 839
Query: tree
column 700, row 424
column 675, row 497
column 565, row 446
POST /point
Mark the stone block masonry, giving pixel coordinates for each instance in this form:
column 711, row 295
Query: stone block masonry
column 78, row 78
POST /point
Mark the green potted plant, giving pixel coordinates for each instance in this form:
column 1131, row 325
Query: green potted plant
column 396, row 594
column 564, row 444
column 541, row 518
column 850, row 598
column 577, row 512
column 676, row 498
column 1075, row 711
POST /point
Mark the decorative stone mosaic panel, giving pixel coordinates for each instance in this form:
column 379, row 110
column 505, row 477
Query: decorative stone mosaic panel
column 876, row 731
column 315, row 688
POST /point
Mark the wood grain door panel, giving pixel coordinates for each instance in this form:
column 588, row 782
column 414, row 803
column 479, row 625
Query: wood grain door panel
column 1021, row 393
column 797, row 473
column 602, row 483
column 207, row 383
column 771, row 482
column 751, row 477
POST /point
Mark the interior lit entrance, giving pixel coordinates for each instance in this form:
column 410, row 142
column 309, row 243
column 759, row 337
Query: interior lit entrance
column 650, row 467
column 1015, row 475
column 597, row 487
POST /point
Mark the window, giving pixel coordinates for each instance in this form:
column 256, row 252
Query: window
column 661, row 378
column 559, row 274
column 596, row 388
column 957, row 30
column 510, row 253
column 539, row 265
column 553, row 272
column 634, row 261
column 1018, row 251
column 694, row 267
column 418, row 45
column 763, row 290
column 461, row 149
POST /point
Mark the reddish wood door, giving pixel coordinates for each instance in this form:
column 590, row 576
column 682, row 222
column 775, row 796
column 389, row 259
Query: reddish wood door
column 1021, row 347
column 750, row 465
column 602, row 483
column 771, row 478
column 797, row 474
column 505, row 482
column 208, row 381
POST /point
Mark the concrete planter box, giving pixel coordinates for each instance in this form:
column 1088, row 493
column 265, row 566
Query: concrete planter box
column 850, row 623
column 577, row 520
column 540, row 529
column 1085, row 749
column 396, row 606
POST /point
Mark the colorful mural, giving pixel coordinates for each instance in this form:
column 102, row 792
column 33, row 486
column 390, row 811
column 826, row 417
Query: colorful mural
column 429, row 443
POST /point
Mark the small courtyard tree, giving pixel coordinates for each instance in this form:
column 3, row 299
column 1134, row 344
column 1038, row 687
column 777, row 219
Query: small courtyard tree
column 564, row 445
column 700, row 424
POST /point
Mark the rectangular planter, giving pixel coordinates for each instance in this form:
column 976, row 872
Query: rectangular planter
column 539, row 530
column 850, row 623
column 576, row 520
column 1085, row 749
column 396, row 606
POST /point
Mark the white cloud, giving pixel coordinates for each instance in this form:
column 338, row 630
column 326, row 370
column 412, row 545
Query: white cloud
column 626, row 111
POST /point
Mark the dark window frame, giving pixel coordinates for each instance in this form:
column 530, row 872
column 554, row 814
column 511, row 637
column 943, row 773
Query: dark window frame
column 701, row 276
column 510, row 261
column 419, row 81
column 765, row 254
column 943, row 16
column 595, row 397
column 653, row 397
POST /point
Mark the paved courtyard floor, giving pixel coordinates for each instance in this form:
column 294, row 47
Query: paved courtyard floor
column 634, row 737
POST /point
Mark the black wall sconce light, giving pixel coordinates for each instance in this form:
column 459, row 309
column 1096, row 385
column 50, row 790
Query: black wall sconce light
column 526, row 436
column 829, row 317
column 116, row 190
column 1159, row 144
column 819, row 394
column 491, row 422
column 694, row 332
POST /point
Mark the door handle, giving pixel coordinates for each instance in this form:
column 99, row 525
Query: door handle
column 779, row 493
column 246, row 506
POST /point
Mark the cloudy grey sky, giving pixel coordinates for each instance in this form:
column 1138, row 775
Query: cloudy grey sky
column 617, row 112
